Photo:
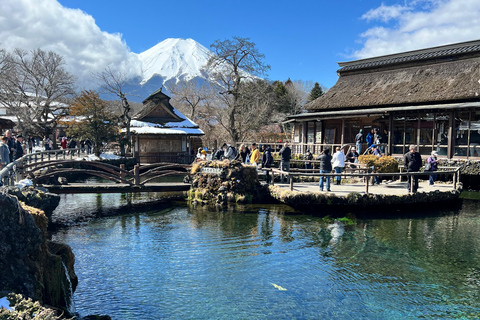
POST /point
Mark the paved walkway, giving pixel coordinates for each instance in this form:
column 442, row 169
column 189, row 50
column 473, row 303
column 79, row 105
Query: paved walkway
column 388, row 188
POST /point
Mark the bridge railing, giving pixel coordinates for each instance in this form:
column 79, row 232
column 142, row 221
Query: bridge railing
column 12, row 173
column 454, row 172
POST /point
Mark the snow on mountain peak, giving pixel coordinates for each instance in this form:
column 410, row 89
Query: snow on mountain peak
column 174, row 59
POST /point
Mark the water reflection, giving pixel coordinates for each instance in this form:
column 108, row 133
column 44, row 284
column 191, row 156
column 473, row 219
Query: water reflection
column 257, row 262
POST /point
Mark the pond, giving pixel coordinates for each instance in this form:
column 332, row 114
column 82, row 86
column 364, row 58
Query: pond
column 265, row 262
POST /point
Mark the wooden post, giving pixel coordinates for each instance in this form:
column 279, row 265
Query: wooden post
column 291, row 182
column 411, row 181
column 455, row 180
column 366, row 184
column 20, row 174
column 136, row 174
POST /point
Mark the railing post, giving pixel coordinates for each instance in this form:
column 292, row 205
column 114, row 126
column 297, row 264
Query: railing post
column 136, row 174
column 366, row 184
column 20, row 174
column 411, row 181
column 455, row 180
column 291, row 182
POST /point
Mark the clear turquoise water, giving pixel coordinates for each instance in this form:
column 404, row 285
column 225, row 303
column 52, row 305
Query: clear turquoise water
column 178, row 262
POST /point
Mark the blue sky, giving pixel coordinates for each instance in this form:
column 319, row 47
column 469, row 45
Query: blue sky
column 301, row 40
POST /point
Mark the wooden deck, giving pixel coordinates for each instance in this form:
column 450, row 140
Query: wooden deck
column 117, row 187
column 385, row 188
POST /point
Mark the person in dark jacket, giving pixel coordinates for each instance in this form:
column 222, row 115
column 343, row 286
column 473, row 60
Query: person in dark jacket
column 308, row 156
column 352, row 157
column 412, row 162
column 369, row 137
column 267, row 161
column 433, row 161
column 325, row 167
column 359, row 141
column 19, row 147
column 218, row 154
column 285, row 155
column 11, row 144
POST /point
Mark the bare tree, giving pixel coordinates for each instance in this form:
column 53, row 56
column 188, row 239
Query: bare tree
column 191, row 96
column 233, row 63
column 114, row 81
column 36, row 88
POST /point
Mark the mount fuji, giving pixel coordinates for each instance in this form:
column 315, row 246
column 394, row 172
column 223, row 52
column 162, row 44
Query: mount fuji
column 165, row 64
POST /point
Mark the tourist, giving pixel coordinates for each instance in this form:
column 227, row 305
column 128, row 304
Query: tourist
column 285, row 154
column 72, row 144
column 377, row 153
column 385, row 140
column 63, row 143
column 4, row 152
column 18, row 147
column 88, row 144
column 432, row 162
column 244, row 152
column 11, row 144
column 201, row 155
column 352, row 156
column 267, row 161
column 412, row 162
column 229, row 152
column 255, row 156
column 338, row 161
column 325, row 167
column 218, row 155
column 359, row 141
column 30, row 144
column 308, row 156
column 47, row 143
column 369, row 137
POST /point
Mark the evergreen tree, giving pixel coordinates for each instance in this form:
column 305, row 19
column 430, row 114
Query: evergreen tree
column 316, row 92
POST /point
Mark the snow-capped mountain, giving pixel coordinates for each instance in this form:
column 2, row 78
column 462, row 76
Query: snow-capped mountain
column 177, row 59
column 166, row 64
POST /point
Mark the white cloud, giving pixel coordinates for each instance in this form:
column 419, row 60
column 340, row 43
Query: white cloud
column 46, row 24
column 385, row 13
column 422, row 25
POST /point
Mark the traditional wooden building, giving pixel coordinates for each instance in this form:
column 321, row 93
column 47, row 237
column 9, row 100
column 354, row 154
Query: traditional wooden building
column 160, row 133
column 429, row 98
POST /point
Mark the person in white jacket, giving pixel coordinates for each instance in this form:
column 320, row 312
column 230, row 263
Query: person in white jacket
column 338, row 163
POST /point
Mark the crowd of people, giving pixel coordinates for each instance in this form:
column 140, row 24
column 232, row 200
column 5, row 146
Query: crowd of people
column 14, row 147
column 327, row 163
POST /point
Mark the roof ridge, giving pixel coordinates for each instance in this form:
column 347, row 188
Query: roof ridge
column 420, row 54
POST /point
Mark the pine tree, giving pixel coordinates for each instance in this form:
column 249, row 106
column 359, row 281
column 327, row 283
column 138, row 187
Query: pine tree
column 316, row 92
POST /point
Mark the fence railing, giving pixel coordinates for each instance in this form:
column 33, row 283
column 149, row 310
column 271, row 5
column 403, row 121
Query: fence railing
column 12, row 173
column 367, row 175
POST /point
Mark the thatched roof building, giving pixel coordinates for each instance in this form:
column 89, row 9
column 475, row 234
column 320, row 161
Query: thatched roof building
column 161, row 133
column 404, row 94
column 444, row 74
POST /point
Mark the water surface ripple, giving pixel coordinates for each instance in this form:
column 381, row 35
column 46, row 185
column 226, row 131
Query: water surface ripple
column 185, row 263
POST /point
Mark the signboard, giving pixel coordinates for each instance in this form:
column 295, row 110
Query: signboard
column 211, row 170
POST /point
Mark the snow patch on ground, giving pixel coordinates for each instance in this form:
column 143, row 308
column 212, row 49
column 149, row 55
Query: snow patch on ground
column 103, row 156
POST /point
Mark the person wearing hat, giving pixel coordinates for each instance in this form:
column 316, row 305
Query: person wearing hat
column 412, row 163
column 18, row 147
column 433, row 162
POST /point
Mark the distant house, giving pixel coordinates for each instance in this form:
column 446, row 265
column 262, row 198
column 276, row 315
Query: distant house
column 429, row 98
column 160, row 133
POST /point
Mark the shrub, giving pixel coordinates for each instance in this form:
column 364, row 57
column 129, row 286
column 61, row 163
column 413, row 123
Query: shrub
column 385, row 164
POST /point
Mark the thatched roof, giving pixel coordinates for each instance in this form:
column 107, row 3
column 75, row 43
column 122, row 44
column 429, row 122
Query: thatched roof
column 437, row 75
column 157, row 109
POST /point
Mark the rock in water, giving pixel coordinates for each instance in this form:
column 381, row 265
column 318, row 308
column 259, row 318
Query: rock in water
column 27, row 264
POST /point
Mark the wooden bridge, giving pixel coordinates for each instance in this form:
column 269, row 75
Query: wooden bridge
column 41, row 166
